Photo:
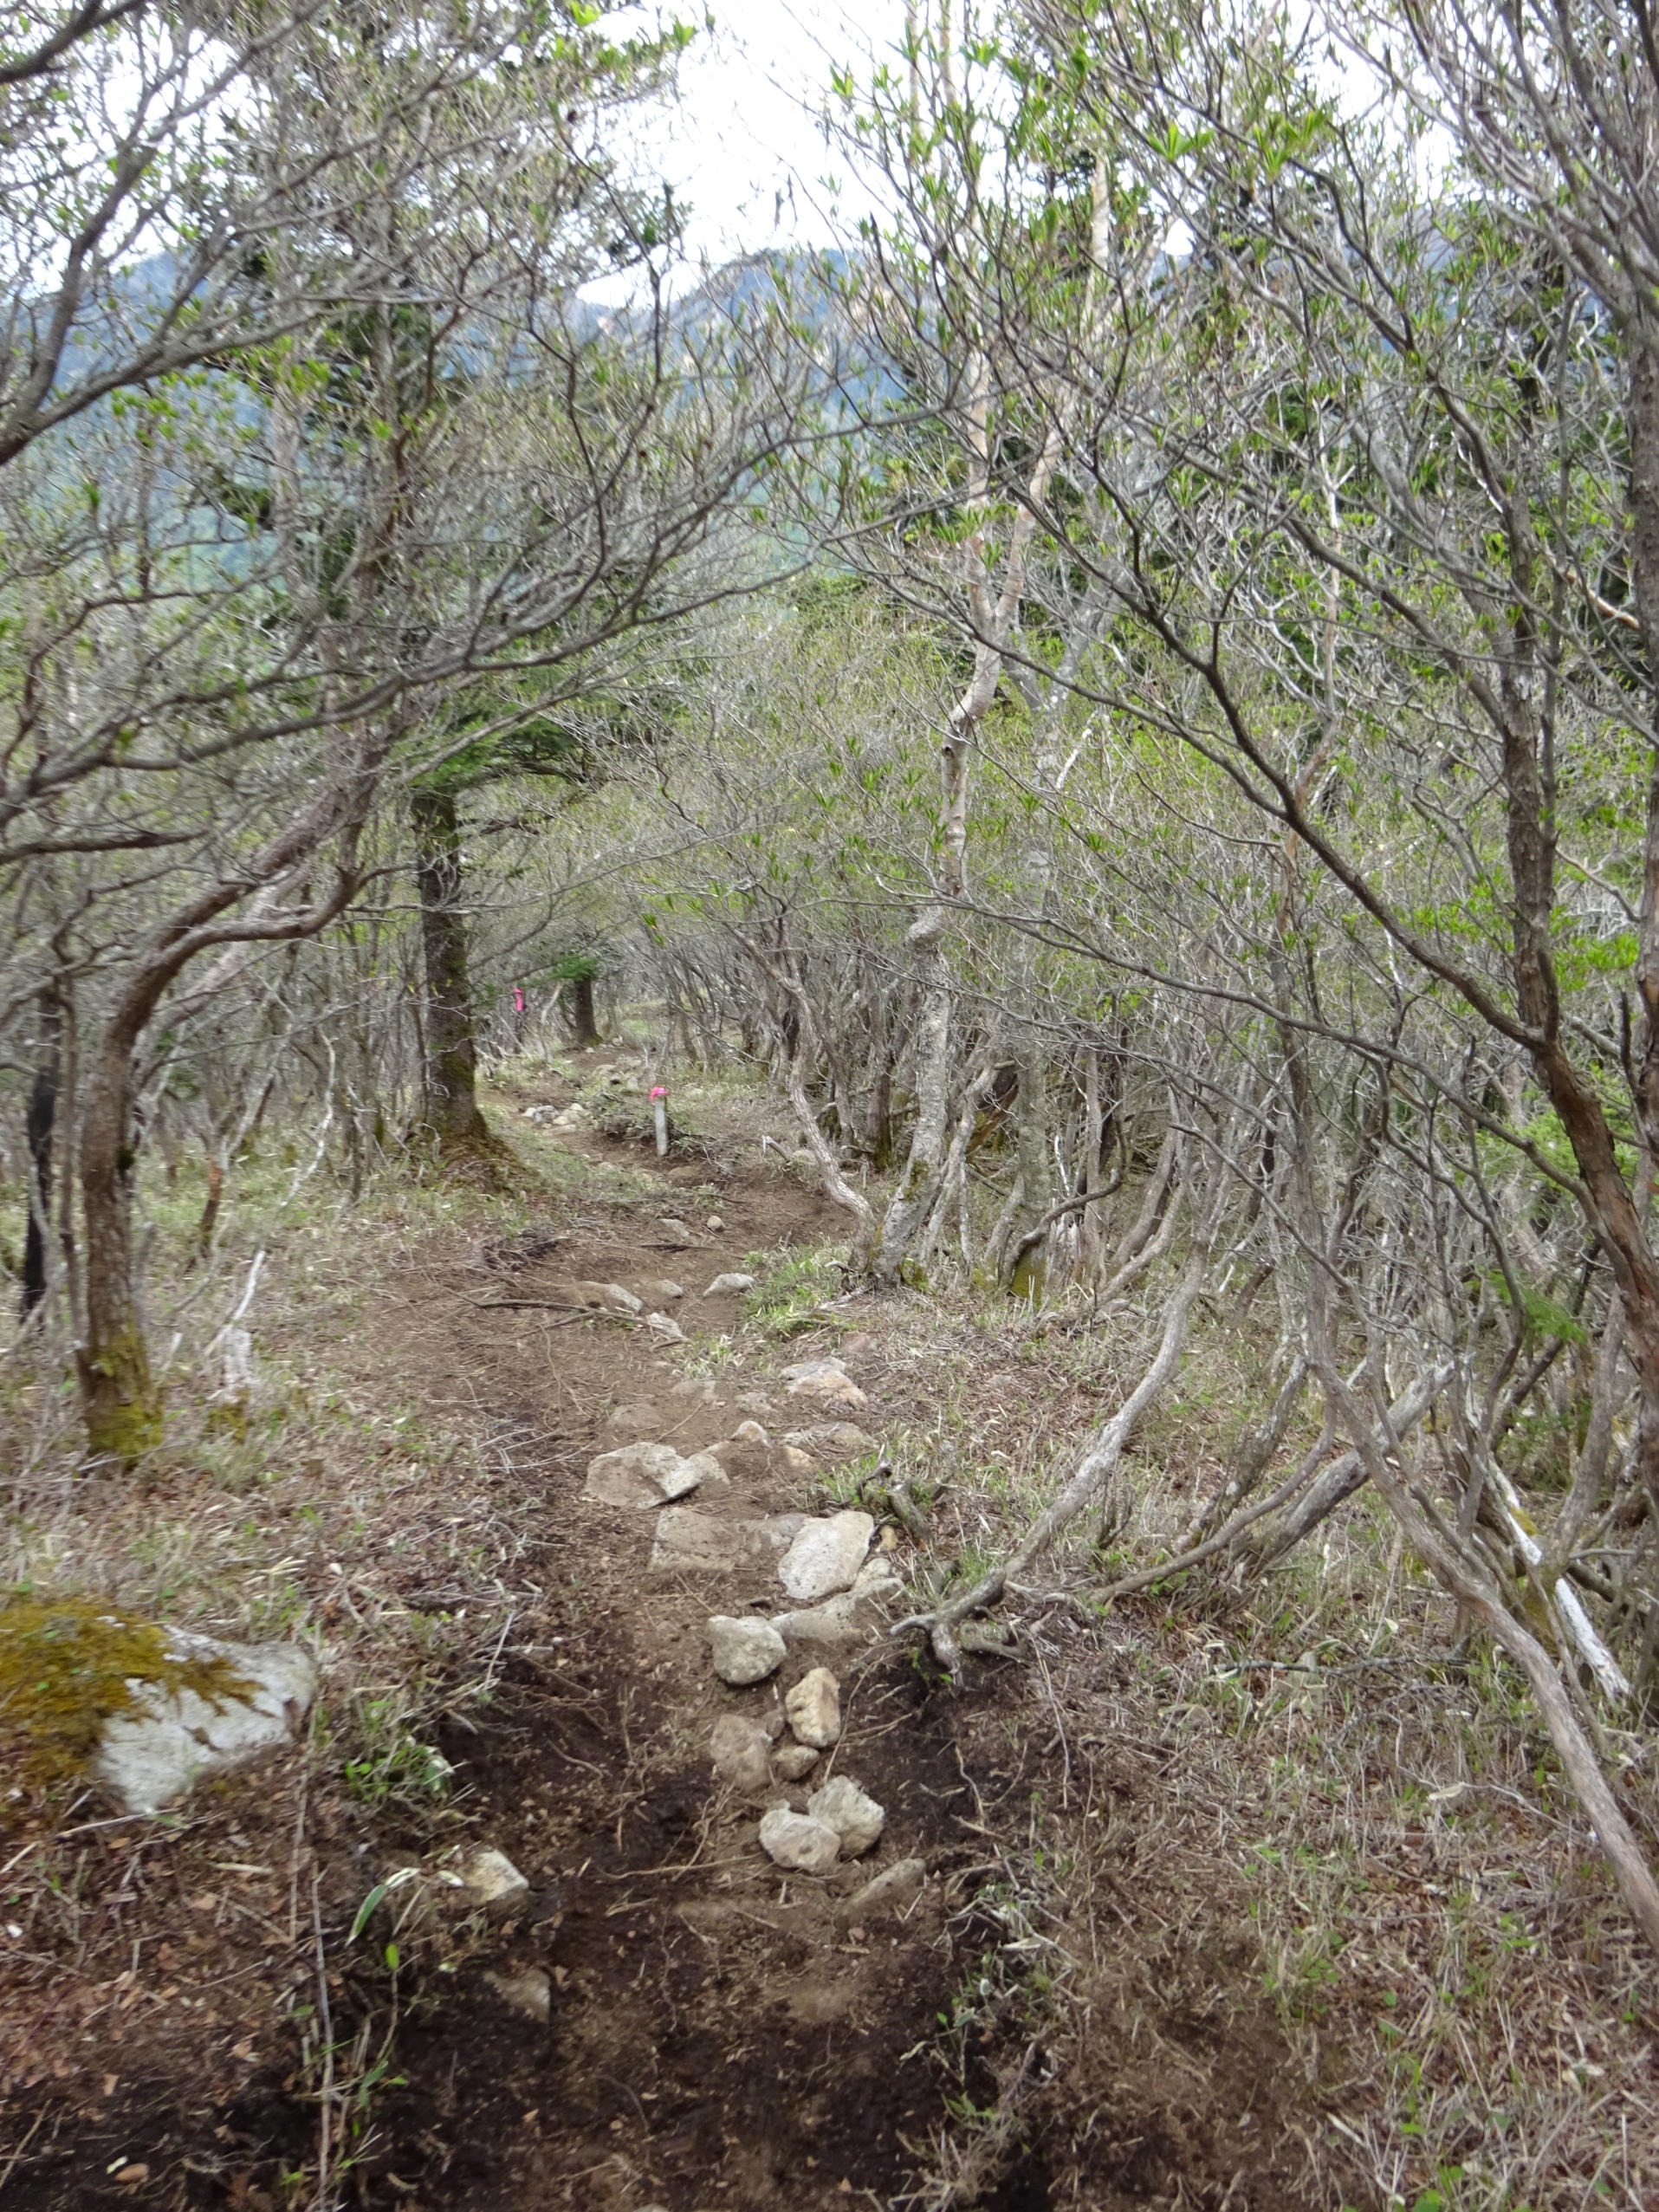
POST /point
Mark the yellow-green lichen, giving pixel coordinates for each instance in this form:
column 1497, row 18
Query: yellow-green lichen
column 68, row 1664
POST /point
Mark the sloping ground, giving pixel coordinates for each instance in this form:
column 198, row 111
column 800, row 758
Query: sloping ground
column 717, row 2033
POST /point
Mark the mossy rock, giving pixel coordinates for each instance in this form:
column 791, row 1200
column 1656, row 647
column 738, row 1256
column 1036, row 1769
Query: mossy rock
column 68, row 1665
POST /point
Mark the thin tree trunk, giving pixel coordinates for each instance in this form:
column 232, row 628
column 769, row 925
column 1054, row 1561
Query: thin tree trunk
column 993, row 619
column 580, row 1014
column 40, row 1129
column 120, row 1403
column 448, row 1105
column 1027, row 1265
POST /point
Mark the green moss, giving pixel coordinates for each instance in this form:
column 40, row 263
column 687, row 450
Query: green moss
column 68, row 1664
column 124, row 1412
column 125, row 1431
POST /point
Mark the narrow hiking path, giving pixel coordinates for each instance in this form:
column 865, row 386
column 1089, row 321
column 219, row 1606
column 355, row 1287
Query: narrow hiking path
column 720, row 2032
column 269, row 2000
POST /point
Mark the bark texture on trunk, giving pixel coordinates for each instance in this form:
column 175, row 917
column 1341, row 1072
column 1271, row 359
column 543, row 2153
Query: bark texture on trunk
column 39, row 1131
column 120, row 1403
column 1028, row 1264
column 578, row 1013
column 450, row 1072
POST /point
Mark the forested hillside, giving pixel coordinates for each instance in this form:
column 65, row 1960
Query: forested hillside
column 986, row 899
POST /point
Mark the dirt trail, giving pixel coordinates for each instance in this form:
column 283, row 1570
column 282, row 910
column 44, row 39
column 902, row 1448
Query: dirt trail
column 719, row 2036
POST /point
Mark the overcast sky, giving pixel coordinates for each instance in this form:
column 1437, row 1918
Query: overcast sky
column 739, row 145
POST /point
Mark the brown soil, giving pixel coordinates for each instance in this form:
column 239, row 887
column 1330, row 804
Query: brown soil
column 717, row 2037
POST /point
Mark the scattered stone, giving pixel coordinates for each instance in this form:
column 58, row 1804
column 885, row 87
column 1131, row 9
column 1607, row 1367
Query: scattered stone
column 711, row 1473
column 791, row 1461
column 698, row 1388
column 169, row 1736
column 610, row 1297
column 893, row 1890
column 754, row 1401
column 851, row 1619
column 529, row 1993
column 540, row 1113
column 813, row 1709
column 826, row 1556
column 798, row 1842
column 826, row 1380
column 573, row 1117
column 640, row 1475
column 795, row 1761
column 740, row 1457
column 698, row 1543
column 744, row 1650
column 666, row 1331
column 749, row 1432
column 637, row 1418
column 831, row 1440
column 729, row 1286
column 492, row 1881
column 714, row 1222
column 660, row 1291
column 854, row 1815
column 675, row 1233
column 738, row 1749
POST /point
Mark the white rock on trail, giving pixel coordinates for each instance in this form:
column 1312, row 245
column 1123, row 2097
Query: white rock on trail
column 854, row 1815
column 665, row 1330
column 854, row 1618
column 744, row 1650
column 700, row 1543
column 827, row 1380
column 798, row 1842
column 660, row 1291
column 710, row 1473
column 893, row 1890
column 633, row 1418
column 813, row 1709
column 826, row 1556
column 529, row 1992
column 165, row 1741
column 611, row 1297
column 749, row 1432
column 714, row 1222
column 698, row 1388
column 739, row 1750
column 491, row 1880
column 729, row 1286
column 793, row 1763
column 831, row 1440
column 640, row 1475
column 674, row 1232
column 804, row 1369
